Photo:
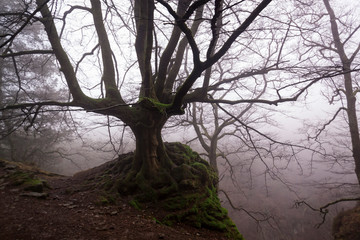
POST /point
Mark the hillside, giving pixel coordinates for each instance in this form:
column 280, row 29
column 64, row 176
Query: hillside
column 40, row 205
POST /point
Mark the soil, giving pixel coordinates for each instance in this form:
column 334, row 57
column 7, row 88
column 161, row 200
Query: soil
column 64, row 209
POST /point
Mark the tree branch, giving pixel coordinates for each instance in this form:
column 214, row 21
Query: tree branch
column 324, row 209
column 319, row 131
column 44, row 103
column 30, row 52
column 144, row 17
column 109, row 72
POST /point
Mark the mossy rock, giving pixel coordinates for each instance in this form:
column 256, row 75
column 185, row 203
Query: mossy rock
column 200, row 210
column 34, row 185
column 28, row 181
column 182, row 154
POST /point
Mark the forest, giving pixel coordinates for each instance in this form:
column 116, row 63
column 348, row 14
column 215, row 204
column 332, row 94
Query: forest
column 221, row 119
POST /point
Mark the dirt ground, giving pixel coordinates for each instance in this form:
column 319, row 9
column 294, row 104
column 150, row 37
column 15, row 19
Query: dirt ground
column 64, row 210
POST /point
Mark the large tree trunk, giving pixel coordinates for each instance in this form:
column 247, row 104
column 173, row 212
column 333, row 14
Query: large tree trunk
column 150, row 153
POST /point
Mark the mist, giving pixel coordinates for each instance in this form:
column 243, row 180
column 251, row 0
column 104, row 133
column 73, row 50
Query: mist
column 265, row 92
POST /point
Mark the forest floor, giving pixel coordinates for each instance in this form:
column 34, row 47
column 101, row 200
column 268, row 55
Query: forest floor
column 63, row 209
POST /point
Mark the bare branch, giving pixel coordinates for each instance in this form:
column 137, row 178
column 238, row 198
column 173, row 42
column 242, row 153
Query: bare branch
column 30, row 52
column 319, row 131
column 324, row 209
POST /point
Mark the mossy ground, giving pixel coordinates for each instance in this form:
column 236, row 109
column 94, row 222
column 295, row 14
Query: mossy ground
column 185, row 194
column 26, row 179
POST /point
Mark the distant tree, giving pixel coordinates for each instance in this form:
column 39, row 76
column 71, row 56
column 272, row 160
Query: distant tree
column 330, row 38
column 26, row 78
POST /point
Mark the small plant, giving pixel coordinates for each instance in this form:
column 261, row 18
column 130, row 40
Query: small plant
column 135, row 204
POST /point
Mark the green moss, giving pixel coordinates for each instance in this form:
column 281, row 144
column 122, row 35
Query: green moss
column 135, row 204
column 180, row 202
column 18, row 178
column 186, row 191
column 200, row 210
column 34, row 185
column 106, row 199
column 189, row 153
column 206, row 174
column 146, row 193
column 154, row 103
column 28, row 180
column 164, row 184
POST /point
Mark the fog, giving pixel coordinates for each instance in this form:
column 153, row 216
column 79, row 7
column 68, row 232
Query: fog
column 265, row 203
column 275, row 168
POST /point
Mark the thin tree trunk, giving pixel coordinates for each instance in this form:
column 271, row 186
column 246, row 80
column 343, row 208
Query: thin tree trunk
column 349, row 91
column 353, row 123
column 213, row 155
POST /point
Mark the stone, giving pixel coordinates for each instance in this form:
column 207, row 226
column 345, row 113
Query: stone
column 113, row 213
column 34, row 194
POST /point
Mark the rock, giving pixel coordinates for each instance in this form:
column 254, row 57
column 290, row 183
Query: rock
column 113, row 213
column 34, row 187
column 34, row 194
column 10, row 167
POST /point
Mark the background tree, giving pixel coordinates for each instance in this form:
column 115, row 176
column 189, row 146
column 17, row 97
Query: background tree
column 22, row 79
column 330, row 38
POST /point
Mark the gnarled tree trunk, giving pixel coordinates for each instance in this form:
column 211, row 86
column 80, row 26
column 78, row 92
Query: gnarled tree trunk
column 150, row 153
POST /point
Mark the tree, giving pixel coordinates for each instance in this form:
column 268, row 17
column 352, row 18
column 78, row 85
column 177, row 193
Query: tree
column 347, row 60
column 157, row 101
column 331, row 43
column 171, row 74
column 22, row 138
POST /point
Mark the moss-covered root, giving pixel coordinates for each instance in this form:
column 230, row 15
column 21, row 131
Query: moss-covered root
column 187, row 191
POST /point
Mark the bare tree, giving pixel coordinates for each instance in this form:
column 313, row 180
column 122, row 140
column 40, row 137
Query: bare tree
column 22, row 138
column 331, row 43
